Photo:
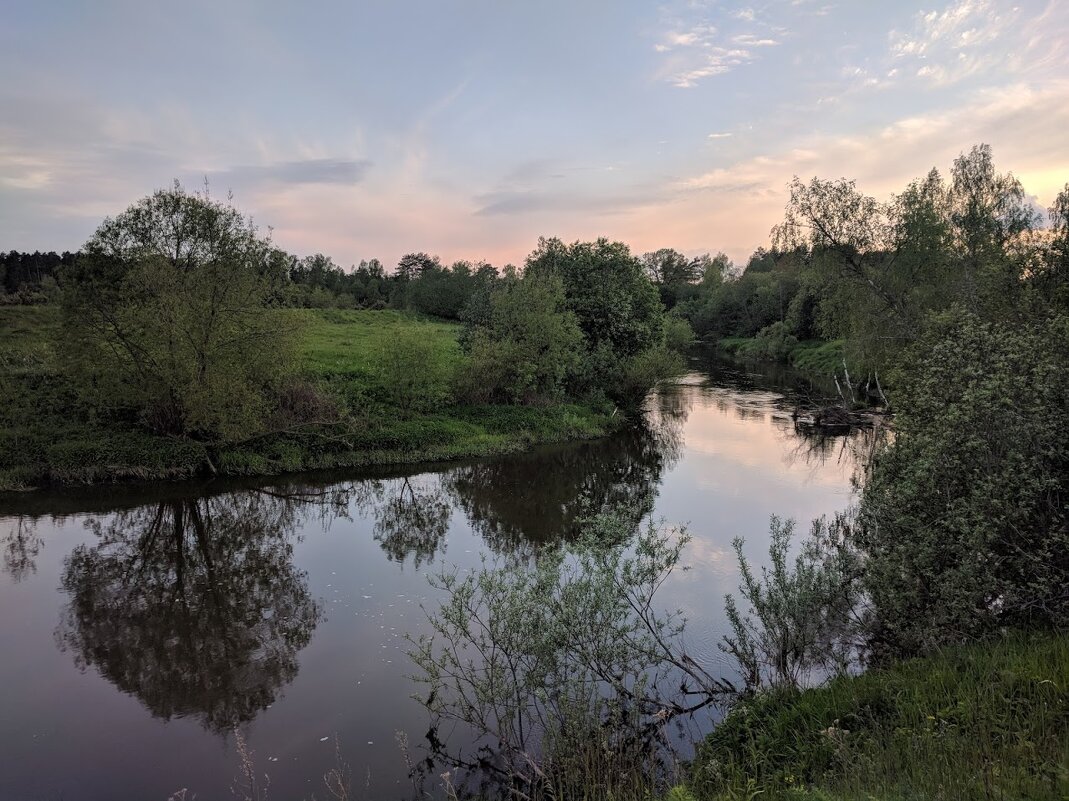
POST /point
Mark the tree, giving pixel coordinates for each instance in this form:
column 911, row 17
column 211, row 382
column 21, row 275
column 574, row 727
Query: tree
column 530, row 346
column 672, row 273
column 608, row 291
column 988, row 211
column 166, row 313
column 886, row 266
column 413, row 265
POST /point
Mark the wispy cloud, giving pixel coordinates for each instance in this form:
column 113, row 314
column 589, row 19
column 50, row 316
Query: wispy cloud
column 307, row 171
column 696, row 47
column 947, row 46
column 1024, row 126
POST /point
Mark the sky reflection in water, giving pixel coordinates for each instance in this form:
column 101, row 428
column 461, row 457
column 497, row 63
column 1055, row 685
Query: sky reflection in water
column 138, row 625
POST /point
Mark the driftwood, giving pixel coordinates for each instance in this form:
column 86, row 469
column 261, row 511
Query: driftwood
column 837, row 417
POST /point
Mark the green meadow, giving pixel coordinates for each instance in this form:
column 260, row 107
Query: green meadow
column 49, row 436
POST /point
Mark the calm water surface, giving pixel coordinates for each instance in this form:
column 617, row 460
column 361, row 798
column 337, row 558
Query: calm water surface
column 138, row 624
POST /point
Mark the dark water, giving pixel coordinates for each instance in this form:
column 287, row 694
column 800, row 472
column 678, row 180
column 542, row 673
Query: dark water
column 138, row 624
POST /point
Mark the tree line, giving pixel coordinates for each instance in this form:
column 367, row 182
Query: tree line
column 177, row 318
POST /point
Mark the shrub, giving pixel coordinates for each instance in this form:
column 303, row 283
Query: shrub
column 801, row 619
column 964, row 519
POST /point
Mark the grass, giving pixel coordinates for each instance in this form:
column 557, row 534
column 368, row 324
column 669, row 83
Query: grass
column 48, row 436
column 986, row 721
column 815, row 357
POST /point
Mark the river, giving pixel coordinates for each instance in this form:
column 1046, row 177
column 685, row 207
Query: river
column 138, row 624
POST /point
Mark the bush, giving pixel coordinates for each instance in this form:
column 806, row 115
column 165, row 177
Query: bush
column 414, row 375
column 527, row 350
column 801, row 619
column 964, row 518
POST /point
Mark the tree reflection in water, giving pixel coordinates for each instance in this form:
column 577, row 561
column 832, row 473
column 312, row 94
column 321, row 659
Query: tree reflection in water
column 411, row 516
column 193, row 605
column 22, row 543
column 519, row 503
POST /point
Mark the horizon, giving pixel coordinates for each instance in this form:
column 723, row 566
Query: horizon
column 472, row 132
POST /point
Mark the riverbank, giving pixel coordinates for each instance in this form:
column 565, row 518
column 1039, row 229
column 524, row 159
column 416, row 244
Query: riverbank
column 989, row 720
column 49, row 437
column 816, row 358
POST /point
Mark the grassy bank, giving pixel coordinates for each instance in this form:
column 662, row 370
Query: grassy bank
column 48, row 436
column 815, row 357
column 988, row 721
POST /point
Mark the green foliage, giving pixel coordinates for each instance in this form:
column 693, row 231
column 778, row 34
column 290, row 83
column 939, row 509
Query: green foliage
column 166, row 313
column 678, row 334
column 801, row 618
column 774, row 342
column 819, row 358
column 49, row 434
column 964, row 517
column 979, row 722
column 885, row 267
column 560, row 666
column 415, row 378
column 608, row 291
column 529, row 347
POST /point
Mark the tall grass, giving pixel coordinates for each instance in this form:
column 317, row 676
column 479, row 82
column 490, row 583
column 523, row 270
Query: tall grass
column 984, row 721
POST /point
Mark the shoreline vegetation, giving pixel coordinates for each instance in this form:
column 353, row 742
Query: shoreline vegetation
column 48, row 446
column 180, row 341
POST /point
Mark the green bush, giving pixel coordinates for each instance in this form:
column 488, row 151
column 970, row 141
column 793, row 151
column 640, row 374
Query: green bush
column 964, row 519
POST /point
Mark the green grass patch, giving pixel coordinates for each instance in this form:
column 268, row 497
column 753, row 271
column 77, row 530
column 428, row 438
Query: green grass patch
column 818, row 357
column 337, row 342
column 985, row 721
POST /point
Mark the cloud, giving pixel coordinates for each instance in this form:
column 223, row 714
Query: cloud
column 947, row 46
column 307, row 171
column 694, row 48
column 719, row 135
column 523, row 202
column 732, row 207
column 749, row 40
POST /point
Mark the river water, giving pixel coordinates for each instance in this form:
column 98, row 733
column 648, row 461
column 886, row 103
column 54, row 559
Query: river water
column 138, row 624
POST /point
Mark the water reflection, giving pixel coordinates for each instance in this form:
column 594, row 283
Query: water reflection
column 193, row 606
column 411, row 518
column 194, row 598
column 520, row 503
column 22, row 544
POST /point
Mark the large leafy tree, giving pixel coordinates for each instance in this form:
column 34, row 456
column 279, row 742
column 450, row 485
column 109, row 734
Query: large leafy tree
column 167, row 313
column 887, row 265
column 608, row 290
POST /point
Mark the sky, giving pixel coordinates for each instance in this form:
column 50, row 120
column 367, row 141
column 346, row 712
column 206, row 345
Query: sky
column 469, row 128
